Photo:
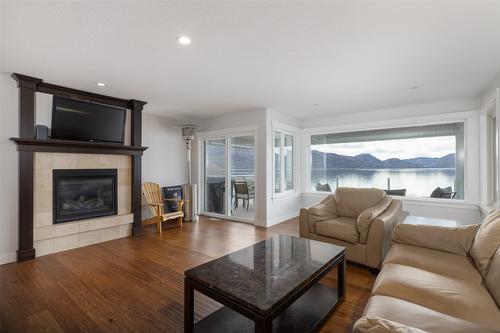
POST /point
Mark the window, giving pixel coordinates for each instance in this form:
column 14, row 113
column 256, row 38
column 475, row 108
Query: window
column 283, row 162
column 411, row 161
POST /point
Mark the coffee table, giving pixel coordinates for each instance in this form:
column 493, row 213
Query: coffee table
column 268, row 287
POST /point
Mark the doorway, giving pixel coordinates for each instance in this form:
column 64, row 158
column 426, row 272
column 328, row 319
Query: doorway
column 229, row 177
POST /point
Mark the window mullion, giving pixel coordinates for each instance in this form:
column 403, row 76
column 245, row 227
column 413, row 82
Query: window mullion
column 282, row 162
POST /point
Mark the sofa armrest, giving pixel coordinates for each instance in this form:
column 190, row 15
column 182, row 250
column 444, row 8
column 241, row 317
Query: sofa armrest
column 456, row 240
column 379, row 235
column 375, row 324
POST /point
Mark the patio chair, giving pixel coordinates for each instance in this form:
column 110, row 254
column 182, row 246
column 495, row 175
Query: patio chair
column 323, row 187
column 444, row 193
column 155, row 202
column 241, row 191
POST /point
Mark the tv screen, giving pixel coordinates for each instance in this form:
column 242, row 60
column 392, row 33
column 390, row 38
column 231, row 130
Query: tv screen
column 73, row 119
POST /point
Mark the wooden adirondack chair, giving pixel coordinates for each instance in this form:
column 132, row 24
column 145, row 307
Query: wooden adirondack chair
column 155, row 202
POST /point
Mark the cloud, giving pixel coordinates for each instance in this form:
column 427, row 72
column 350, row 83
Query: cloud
column 402, row 148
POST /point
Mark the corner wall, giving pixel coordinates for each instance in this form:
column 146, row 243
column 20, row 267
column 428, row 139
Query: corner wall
column 163, row 162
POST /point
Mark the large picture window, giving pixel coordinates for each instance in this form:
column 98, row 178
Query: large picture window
column 418, row 161
column 283, row 162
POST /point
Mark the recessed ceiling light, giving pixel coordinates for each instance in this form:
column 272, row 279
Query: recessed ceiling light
column 184, row 40
column 100, row 84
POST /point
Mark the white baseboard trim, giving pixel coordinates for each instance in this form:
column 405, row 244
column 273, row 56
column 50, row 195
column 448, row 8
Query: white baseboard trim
column 7, row 258
column 284, row 218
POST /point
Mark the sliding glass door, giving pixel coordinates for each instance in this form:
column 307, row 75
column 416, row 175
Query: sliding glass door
column 242, row 177
column 215, row 176
column 229, row 176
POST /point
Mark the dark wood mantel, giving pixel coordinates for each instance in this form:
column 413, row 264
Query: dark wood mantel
column 27, row 146
column 80, row 147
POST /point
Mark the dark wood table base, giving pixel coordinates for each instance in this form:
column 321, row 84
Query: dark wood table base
column 306, row 311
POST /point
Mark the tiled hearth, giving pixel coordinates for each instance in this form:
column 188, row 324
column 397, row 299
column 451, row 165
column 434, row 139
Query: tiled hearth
column 49, row 237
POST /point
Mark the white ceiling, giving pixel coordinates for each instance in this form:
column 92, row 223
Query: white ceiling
column 346, row 56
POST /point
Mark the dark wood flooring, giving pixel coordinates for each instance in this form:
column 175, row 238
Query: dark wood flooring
column 135, row 284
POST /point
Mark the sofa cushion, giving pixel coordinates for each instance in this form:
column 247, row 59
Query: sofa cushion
column 375, row 324
column 366, row 217
column 458, row 298
column 352, row 201
column 486, row 242
column 343, row 228
column 444, row 263
column 455, row 240
column 493, row 278
column 414, row 315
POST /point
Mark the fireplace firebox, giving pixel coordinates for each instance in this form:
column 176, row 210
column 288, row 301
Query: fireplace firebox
column 84, row 194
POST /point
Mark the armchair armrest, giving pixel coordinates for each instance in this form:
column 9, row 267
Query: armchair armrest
column 368, row 215
column 379, row 235
column 456, row 240
column 325, row 210
column 304, row 223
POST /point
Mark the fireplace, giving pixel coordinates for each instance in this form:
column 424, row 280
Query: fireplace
column 84, row 194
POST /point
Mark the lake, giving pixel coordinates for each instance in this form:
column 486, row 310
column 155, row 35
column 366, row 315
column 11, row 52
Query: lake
column 417, row 182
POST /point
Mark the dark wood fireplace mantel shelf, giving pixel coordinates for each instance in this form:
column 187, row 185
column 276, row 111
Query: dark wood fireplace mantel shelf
column 82, row 147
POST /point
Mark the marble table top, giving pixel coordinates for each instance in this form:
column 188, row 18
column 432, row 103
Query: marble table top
column 264, row 275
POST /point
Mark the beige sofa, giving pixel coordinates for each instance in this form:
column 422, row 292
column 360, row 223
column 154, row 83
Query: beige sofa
column 438, row 279
column 359, row 219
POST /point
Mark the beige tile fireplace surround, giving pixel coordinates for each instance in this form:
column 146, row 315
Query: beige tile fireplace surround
column 51, row 238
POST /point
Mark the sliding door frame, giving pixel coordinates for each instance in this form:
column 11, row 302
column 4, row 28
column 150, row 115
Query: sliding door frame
column 227, row 135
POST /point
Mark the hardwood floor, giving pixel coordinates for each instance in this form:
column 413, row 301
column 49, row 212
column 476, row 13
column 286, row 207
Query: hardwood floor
column 136, row 283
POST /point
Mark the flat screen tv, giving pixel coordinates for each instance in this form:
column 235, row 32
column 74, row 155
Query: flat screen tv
column 78, row 120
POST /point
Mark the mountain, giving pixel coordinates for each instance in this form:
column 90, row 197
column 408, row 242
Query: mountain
column 322, row 160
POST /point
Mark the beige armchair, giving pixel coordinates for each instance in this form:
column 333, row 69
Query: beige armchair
column 360, row 219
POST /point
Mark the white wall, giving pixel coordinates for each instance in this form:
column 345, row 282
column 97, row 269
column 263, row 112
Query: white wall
column 164, row 162
column 8, row 170
column 269, row 209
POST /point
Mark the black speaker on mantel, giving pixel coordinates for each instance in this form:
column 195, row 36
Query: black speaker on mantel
column 41, row 132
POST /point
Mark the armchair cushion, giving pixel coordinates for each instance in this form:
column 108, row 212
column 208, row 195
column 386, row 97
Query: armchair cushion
column 456, row 240
column 486, row 242
column 343, row 228
column 353, row 201
column 365, row 218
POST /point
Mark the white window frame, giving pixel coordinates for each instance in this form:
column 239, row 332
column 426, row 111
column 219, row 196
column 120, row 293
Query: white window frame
column 284, row 130
column 489, row 147
column 493, row 160
column 388, row 124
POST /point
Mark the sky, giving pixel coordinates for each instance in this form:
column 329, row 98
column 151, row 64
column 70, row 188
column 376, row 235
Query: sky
column 402, row 149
